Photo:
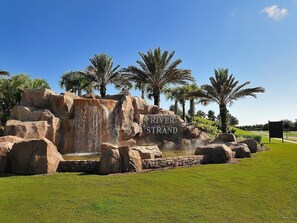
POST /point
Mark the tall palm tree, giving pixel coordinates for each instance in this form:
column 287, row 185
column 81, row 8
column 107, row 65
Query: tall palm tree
column 76, row 82
column 157, row 70
column 224, row 90
column 103, row 72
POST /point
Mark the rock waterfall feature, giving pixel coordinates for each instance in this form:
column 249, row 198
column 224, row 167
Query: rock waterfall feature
column 94, row 124
column 82, row 125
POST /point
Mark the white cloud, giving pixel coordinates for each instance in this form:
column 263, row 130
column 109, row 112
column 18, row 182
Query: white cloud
column 275, row 12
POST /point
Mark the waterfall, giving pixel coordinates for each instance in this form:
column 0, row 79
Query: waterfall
column 95, row 122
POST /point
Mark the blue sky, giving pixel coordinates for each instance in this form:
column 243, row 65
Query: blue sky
column 256, row 40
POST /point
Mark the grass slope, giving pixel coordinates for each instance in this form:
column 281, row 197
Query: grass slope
column 262, row 189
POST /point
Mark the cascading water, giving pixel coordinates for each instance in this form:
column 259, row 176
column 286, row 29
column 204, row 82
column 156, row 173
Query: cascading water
column 95, row 122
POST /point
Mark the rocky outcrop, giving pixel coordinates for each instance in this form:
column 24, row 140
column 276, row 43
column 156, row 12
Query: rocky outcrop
column 252, row 145
column 107, row 146
column 217, row 153
column 62, row 104
column 5, row 147
column 225, row 138
column 38, row 98
column 148, row 152
column 78, row 125
column 241, row 151
column 110, row 162
column 131, row 159
column 10, row 138
column 6, row 143
column 26, row 130
column 37, row 156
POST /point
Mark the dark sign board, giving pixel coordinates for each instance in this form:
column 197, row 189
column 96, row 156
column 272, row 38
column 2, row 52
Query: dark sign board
column 276, row 130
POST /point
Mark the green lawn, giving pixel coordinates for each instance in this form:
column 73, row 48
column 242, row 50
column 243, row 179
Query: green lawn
column 261, row 189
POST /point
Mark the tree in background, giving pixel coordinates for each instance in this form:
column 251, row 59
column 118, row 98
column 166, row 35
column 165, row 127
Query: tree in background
column 157, row 70
column 201, row 114
column 76, row 82
column 224, row 90
column 143, row 87
column 233, row 120
column 11, row 90
column 4, row 73
column 172, row 94
column 192, row 87
column 177, row 112
column 211, row 115
column 103, row 72
column 230, row 119
column 182, row 95
column 288, row 125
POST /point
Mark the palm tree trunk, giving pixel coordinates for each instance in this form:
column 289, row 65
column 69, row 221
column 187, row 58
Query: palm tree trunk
column 184, row 109
column 175, row 106
column 223, row 114
column 142, row 93
column 192, row 107
column 102, row 90
column 156, row 95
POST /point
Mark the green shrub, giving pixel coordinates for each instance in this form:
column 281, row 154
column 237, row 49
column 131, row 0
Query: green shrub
column 257, row 138
column 211, row 130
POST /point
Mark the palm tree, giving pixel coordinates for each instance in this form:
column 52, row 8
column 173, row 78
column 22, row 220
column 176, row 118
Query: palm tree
column 39, row 83
column 76, row 82
column 157, row 70
column 142, row 87
column 224, row 90
column 192, row 87
column 172, row 94
column 178, row 94
column 4, row 73
column 103, row 73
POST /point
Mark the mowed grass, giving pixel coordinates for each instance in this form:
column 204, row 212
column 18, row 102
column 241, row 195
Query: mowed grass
column 261, row 189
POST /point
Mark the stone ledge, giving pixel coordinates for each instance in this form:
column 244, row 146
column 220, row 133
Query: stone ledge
column 168, row 162
column 79, row 166
column 174, row 161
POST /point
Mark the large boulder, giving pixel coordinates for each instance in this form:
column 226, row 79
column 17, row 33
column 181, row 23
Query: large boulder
column 6, row 143
column 128, row 128
column 148, row 152
column 5, row 147
column 131, row 159
column 140, row 106
column 110, row 162
column 26, row 130
column 241, row 151
column 225, row 138
column 252, row 144
column 107, row 146
column 217, row 153
column 91, row 96
column 37, row 156
column 35, row 124
column 10, row 138
column 38, row 98
column 21, row 112
column 61, row 105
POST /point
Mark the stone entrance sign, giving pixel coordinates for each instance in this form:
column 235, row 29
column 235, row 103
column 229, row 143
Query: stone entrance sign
column 163, row 125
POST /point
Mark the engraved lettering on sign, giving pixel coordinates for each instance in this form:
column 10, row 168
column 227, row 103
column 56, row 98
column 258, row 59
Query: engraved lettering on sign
column 161, row 125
